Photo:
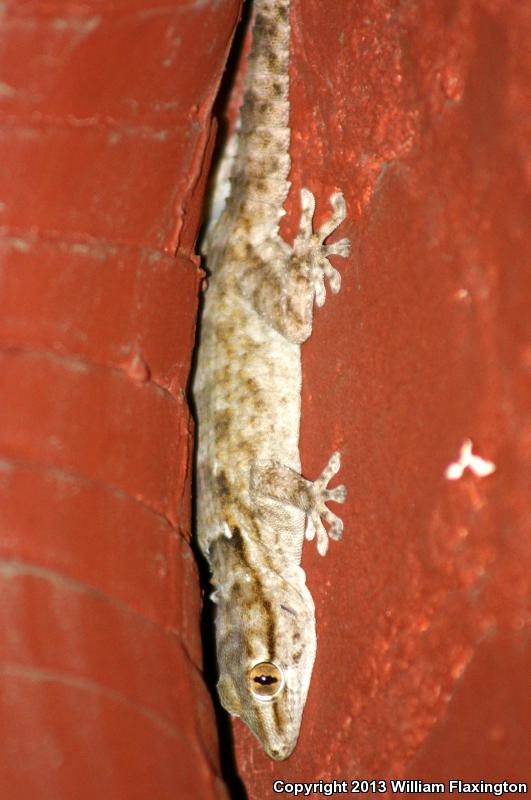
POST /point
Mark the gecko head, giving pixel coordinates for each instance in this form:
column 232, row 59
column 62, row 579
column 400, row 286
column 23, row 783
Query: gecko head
column 265, row 632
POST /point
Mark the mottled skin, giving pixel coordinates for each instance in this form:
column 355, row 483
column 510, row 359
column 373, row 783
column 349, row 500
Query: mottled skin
column 253, row 504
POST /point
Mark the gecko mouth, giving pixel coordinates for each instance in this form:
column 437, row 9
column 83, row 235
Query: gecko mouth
column 280, row 752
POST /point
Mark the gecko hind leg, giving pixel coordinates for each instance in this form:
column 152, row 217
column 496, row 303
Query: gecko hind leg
column 309, row 246
column 284, row 286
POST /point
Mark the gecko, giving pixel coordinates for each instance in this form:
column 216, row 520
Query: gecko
column 254, row 507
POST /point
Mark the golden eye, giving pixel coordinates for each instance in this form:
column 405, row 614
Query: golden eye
column 265, row 680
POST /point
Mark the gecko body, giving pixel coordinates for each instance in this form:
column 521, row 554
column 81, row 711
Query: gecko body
column 254, row 508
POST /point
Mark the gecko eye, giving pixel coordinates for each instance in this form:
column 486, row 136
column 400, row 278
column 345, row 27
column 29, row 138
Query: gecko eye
column 265, row 680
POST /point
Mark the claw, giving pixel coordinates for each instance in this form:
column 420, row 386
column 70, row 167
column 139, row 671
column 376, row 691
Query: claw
column 340, row 212
column 337, row 495
column 308, row 201
column 315, row 527
column 334, row 278
column 322, row 546
column 336, row 525
column 336, row 529
column 339, row 205
column 320, row 291
column 310, row 528
column 332, row 468
column 322, row 539
column 339, row 248
column 307, row 212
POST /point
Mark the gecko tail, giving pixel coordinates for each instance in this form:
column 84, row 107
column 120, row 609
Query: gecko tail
column 259, row 179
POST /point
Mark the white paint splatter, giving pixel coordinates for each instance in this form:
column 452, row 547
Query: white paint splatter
column 479, row 466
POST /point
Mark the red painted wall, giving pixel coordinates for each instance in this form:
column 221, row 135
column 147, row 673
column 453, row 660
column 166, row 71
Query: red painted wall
column 417, row 112
column 106, row 135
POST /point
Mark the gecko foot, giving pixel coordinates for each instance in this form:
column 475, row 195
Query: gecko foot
column 310, row 245
column 318, row 511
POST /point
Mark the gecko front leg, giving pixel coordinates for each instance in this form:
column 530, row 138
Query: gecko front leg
column 283, row 283
column 284, row 484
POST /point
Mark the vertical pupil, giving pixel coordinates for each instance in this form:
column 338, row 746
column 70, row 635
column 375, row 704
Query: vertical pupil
column 265, row 680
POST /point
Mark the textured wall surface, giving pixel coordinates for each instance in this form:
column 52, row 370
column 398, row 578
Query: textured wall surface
column 417, row 112
column 105, row 139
